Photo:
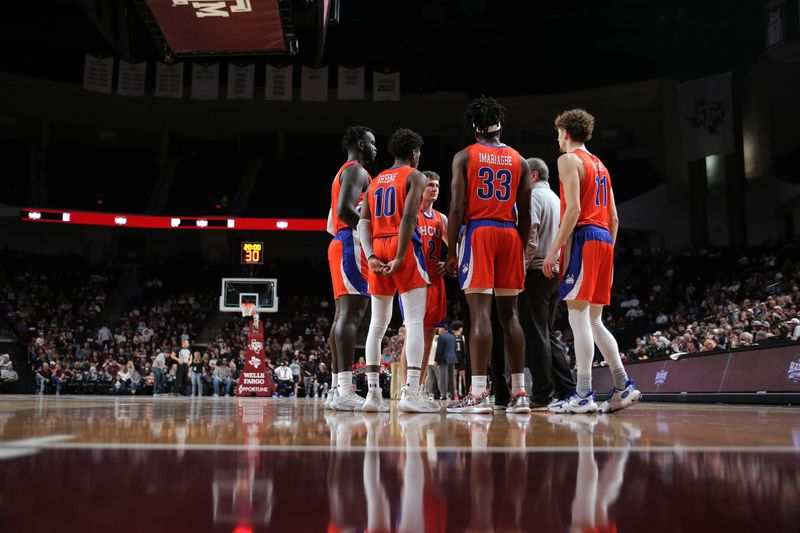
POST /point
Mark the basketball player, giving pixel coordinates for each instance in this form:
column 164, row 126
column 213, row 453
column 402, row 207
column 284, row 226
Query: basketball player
column 432, row 227
column 587, row 234
column 346, row 259
column 489, row 179
column 391, row 242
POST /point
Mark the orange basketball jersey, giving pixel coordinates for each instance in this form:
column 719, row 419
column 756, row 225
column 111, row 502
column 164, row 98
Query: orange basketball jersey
column 493, row 175
column 339, row 224
column 387, row 199
column 595, row 192
column 431, row 229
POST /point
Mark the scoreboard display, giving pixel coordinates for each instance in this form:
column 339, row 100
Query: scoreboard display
column 252, row 253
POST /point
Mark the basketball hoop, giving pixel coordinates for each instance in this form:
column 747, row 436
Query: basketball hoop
column 249, row 309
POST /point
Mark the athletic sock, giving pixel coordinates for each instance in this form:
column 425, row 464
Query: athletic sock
column 345, row 383
column 372, row 380
column 517, row 383
column 412, row 380
column 620, row 377
column 584, row 383
column 334, row 381
column 478, row 385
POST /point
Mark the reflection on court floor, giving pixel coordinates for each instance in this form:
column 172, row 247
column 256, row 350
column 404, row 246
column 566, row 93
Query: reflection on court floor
column 267, row 465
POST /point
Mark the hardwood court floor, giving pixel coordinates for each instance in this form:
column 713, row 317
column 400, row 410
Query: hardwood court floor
column 225, row 464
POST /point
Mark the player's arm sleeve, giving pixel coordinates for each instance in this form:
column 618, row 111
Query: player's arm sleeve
column 365, row 236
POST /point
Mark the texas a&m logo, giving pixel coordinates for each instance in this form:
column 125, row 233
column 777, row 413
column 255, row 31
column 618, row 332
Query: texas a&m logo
column 256, row 345
column 215, row 8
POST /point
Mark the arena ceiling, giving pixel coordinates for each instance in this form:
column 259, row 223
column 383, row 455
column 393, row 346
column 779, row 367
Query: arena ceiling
column 472, row 46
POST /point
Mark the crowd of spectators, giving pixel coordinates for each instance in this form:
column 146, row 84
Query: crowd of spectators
column 665, row 305
column 670, row 306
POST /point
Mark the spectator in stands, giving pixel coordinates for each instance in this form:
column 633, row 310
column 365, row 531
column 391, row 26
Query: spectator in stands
column 58, row 378
column 284, row 383
column 105, row 337
column 794, row 324
column 159, row 369
column 197, row 374
column 309, row 368
column 745, row 339
column 323, row 379
column 43, row 376
column 222, row 379
column 294, row 366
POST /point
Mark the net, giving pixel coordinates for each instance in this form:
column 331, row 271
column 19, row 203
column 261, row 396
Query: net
column 248, row 309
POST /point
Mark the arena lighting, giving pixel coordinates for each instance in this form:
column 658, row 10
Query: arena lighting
column 171, row 222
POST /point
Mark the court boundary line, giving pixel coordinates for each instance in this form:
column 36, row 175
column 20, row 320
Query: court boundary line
column 314, row 448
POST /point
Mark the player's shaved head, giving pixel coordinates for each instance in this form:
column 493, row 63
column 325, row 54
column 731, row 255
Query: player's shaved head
column 538, row 165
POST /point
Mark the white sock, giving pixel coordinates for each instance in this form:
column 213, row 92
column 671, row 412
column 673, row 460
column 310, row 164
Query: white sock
column 372, row 380
column 345, row 383
column 517, row 383
column 478, row 385
column 608, row 346
column 581, row 326
column 334, row 381
column 412, row 380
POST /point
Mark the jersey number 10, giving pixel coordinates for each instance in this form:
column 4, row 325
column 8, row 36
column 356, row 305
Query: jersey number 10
column 385, row 201
column 600, row 191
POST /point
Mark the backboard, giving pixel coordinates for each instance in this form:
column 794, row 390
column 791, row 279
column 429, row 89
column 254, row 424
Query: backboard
column 261, row 291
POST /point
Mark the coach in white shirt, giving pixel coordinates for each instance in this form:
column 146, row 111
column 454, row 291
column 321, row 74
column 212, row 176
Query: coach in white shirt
column 538, row 302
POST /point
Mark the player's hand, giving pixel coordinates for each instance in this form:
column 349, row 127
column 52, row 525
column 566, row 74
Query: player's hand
column 376, row 265
column 392, row 267
column 440, row 268
column 451, row 266
column 550, row 265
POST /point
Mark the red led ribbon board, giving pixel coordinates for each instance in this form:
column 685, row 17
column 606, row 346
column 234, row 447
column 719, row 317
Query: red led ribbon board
column 202, row 26
column 255, row 379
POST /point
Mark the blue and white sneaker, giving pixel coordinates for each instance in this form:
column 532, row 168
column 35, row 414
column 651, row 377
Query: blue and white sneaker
column 620, row 399
column 575, row 403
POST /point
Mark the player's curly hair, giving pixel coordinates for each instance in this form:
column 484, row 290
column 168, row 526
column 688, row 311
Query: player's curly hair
column 578, row 123
column 431, row 175
column 352, row 135
column 482, row 113
column 403, row 142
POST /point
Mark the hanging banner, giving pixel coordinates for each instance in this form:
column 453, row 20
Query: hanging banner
column 132, row 77
column 706, row 117
column 197, row 26
column 169, row 80
column 240, row 81
column 98, row 73
column 205, row 81
column 279, row 83
column 386, row 87
column 351, row 83
column 314, row 84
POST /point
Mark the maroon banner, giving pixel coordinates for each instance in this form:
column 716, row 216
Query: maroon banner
column 255, row 379
column 220, row 25
column 767, row 369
